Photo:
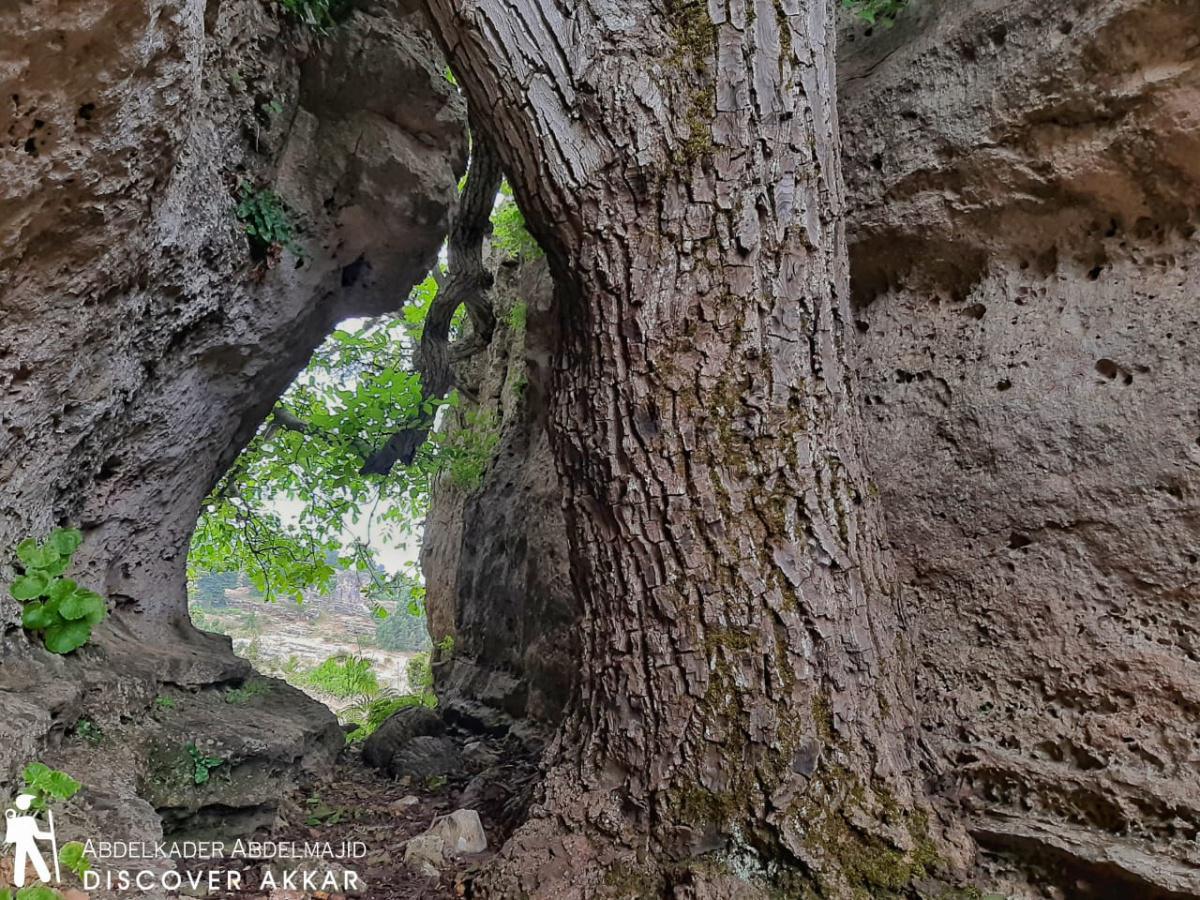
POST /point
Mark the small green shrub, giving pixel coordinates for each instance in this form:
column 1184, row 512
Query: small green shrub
column 267, row 223
column 164, row 703
column 370, row 714
column 202, row 765
column 420, row 674
column 247, row 692
column 56, row 608
column 876, row 12
column 509, row 234
column 345, row 676
column 465, row 452
column 90, row 732
column 31, row 892
column 74, row 858
column 517, row 315
column 319, row 15
column 46, row 785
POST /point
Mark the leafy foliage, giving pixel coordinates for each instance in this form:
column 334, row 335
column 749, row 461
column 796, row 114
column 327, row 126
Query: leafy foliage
column 31, row 892
column 357, row 391
column 202, row 765
column 509, row 234
column 517, row 316
column 420, row 674
column 46, row 785
column 369, row 714
column 881, row 12
column 354, row 395
column 464, row 452
column 345, row 676
column 74, row 858
column 266, row 221
column 90, row 732
column 403, row 629
column 57, row 608
column 320, row 15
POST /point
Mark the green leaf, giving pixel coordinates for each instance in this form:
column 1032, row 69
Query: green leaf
column 68, row 637
column 66, row 541
column 30, row 587
column 45, row 557
column 74, row 857
column 60, row 589
column 83, row 604
column 27, row 551
column 37, row 617
column 35, row 772
column 61, row 785
column 38, row 892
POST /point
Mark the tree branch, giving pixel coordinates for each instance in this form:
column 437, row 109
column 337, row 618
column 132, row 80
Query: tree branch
column 468, row 282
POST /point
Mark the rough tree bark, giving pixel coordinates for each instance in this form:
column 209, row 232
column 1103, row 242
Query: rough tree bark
column 744, row 699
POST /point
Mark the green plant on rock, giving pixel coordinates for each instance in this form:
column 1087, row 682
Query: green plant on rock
column 344, row 676
column 876, row 12
column 420, row 673
column 517, row 316
column 369, row 714
column 465, row 452
column 266, row 222
column 74, row 858
column 509, row 234
column 31, row 892
column 247, row 692
column 47, row 785
column 164, row 703
column 90, row 732
column 202, row 765
column 56, row 608
column 319, row 15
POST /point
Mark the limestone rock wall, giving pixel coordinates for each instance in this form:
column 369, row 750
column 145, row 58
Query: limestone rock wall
column 494, row 554
column 141, row 344
column 1026, row 184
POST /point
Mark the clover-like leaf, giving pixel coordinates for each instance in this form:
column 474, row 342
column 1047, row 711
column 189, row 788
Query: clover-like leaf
column 27, row 551
column 74, row 857
column 66, row 541
column 59, row 589
column 67, row 637
column 83, row 604
column 37, row 617
column 29, row 587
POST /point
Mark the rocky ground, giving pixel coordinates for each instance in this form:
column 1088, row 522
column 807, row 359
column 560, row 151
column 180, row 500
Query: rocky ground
column 357, row 804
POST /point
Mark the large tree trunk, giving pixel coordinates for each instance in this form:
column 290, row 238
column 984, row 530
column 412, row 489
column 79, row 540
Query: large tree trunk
column 744, row 691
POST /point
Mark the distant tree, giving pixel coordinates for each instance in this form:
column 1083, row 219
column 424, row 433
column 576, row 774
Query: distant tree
column 210, row 588
column 402, row 631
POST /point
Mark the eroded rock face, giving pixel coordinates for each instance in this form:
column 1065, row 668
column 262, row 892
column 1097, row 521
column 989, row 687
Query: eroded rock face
column 494, row 554
column 1023, row 180
column 141, row 343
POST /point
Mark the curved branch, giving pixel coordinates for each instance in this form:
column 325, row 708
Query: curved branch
column 468, row 282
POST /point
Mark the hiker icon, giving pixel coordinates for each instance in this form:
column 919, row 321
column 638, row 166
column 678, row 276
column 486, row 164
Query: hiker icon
column 22, row 832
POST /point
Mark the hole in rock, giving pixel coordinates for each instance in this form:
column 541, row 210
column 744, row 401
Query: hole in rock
column 310, row 568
